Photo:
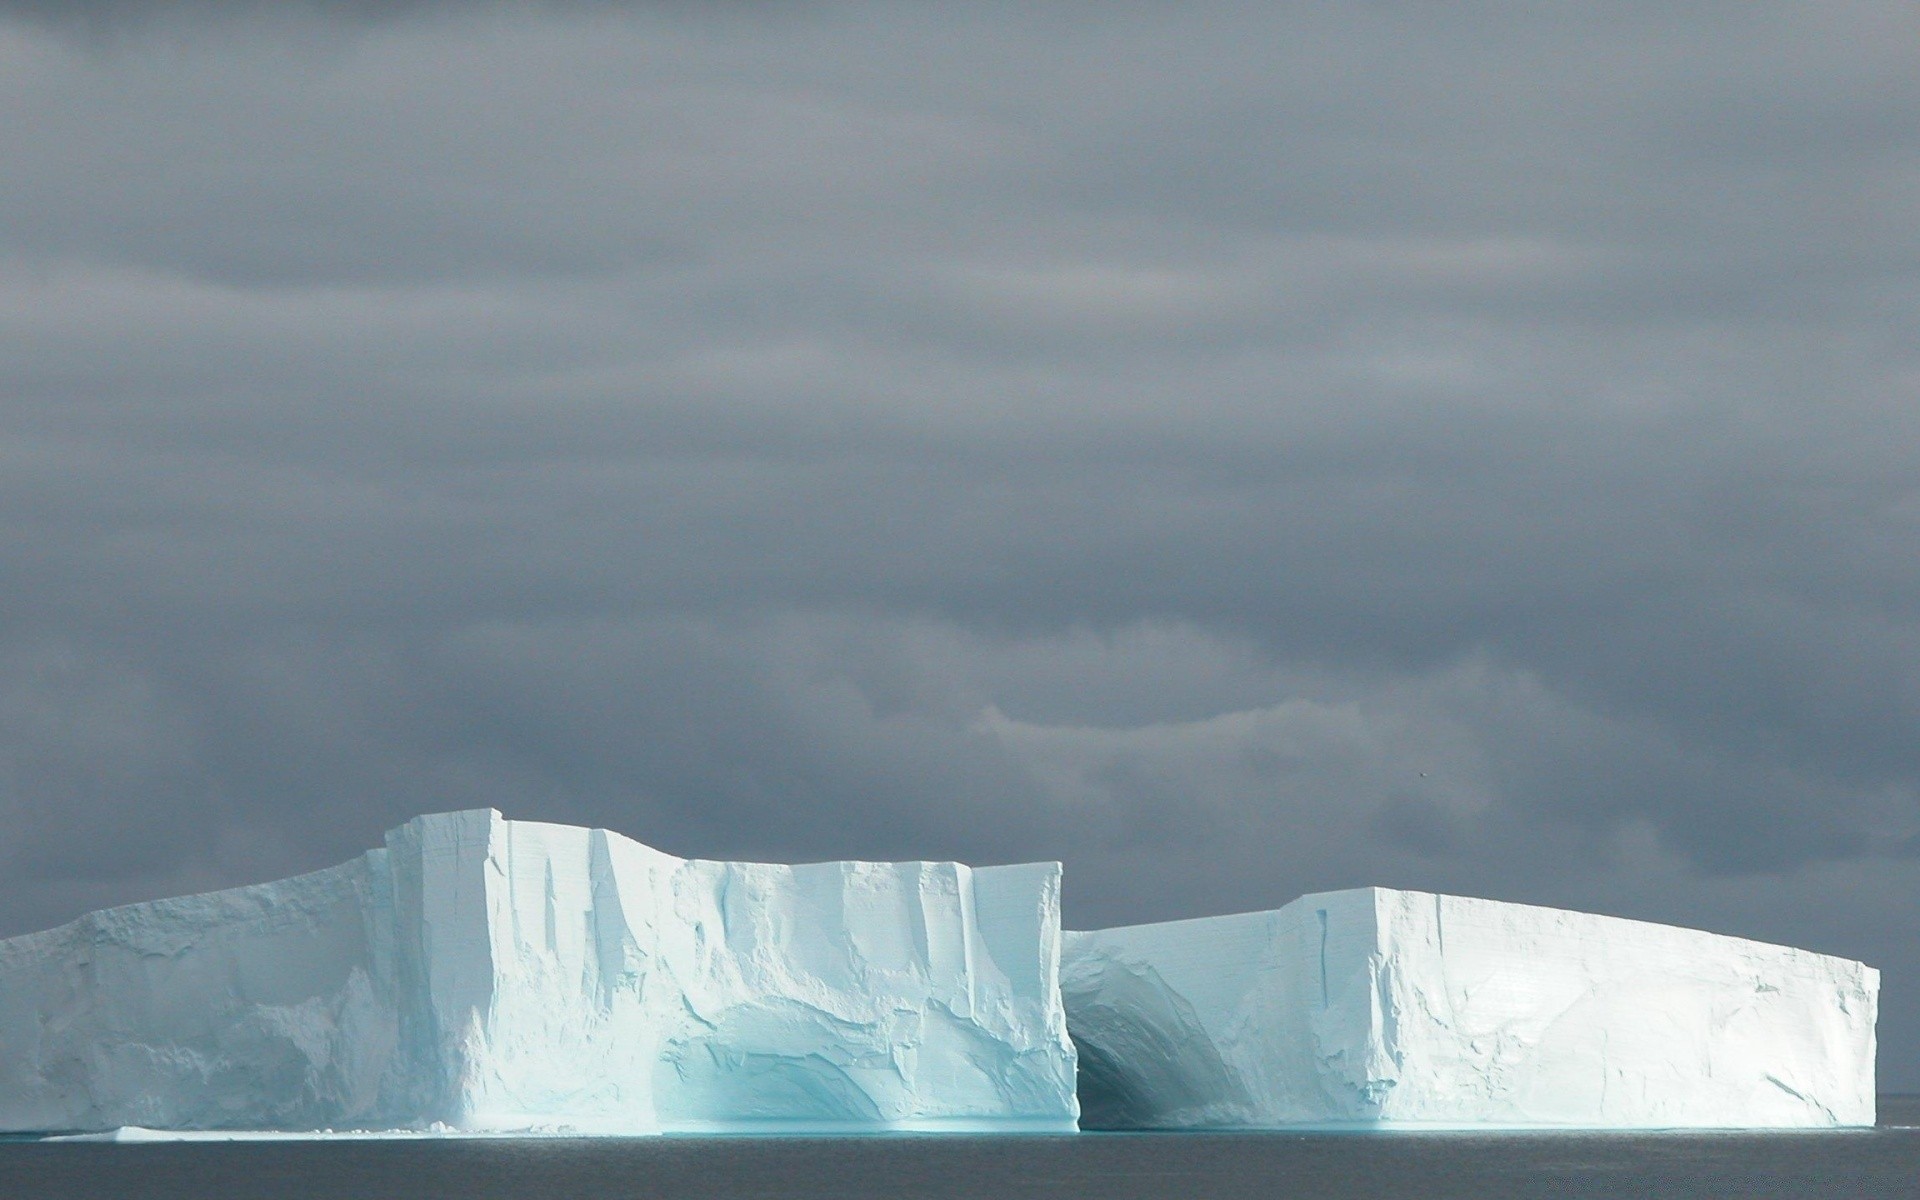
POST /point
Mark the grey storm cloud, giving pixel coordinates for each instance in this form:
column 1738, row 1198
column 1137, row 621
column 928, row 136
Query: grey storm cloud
column 1235, row 450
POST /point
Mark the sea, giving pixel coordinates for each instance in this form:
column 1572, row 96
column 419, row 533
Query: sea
column 1880, row 1163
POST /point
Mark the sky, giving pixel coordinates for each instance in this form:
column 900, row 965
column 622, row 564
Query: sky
column 1233, row 450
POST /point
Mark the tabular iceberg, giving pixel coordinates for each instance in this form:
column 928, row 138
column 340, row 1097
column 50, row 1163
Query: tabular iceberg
column 482, row 974
column 1375, row 1008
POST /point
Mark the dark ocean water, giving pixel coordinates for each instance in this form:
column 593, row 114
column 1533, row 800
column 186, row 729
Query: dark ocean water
column 1878, row 1163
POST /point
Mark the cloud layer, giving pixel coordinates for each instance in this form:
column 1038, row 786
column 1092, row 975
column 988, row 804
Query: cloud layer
column 1235, row 451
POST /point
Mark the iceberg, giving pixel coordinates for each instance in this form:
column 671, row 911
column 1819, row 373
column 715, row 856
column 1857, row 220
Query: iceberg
column 1382, row 1009
column 478, row 974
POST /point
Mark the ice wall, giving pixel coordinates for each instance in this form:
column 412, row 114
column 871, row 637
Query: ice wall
column 1379, row 1008
column 631, row 986
column 486, row 974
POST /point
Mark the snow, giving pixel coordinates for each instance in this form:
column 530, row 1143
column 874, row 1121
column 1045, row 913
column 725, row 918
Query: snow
column 1375, row 1008
column 478, row 974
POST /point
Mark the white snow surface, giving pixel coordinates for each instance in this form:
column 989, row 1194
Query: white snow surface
column 478, row 974
column 1375, row 1008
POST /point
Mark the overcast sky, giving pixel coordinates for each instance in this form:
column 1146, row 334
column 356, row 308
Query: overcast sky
column 1234, row 450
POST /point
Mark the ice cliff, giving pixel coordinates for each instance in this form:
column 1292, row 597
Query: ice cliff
column 479, row 974
column 484, row 974
column 1385, row 1009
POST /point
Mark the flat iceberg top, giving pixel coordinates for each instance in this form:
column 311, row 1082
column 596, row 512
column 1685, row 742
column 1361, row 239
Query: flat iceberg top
column 486, row 974
column 1575, row 924
column 145, row 917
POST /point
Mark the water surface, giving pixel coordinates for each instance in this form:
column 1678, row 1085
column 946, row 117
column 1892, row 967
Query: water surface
column 1876, row 1163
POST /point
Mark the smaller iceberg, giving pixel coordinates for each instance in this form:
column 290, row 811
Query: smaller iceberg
column 1384, row 1009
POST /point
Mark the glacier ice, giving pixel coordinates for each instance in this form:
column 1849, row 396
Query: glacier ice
column 1375, row 1008
column 481, row 974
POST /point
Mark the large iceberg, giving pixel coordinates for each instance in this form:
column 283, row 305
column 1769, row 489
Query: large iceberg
column 483, row 974
column 477, row 974
column 1375, row 1008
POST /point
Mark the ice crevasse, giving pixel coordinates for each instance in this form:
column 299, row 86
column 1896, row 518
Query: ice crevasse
column 481, row 974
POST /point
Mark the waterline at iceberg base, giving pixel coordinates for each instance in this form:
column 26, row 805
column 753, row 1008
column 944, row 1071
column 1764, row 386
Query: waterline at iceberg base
column 477, row 975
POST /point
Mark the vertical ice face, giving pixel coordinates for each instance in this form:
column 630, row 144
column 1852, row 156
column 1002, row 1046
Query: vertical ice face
column 632, row 988
column 491, row 974
column 1379, row 1008
column 267, row 1005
